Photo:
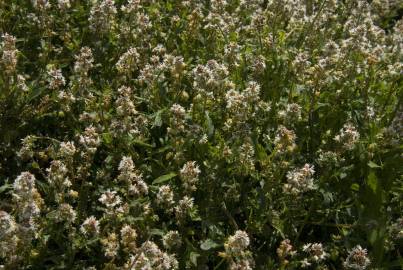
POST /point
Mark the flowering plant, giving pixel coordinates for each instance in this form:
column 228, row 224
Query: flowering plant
column 216, row 134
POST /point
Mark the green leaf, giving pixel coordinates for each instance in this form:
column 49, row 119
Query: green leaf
column 109, row 159
column 5, row 187
column 163, row 149
column 209, row 244
column 355, row 187
column 140, row 143
column 373, row 236
column 164, row 178
column 373, row 165
column 194, row 214
column 193, row 257
column 35, row 165
column 278, row 225
column 396, row 263
column 157, row 232
column 107, row 138
column 282, row 36
column 134, row 219
column 261, row 153
column 209, row 123
column 158, row 118
column 372, row 182
column 37, row 91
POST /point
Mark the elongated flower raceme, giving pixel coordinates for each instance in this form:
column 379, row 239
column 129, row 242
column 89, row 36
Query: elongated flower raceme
column 190, row 174
column 28, row 199
column 9, row 56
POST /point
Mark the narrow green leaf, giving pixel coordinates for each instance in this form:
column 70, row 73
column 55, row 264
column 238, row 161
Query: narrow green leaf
column 140, row 143
column 373, row 236
column 372, row 182
column 209, row 244
column 193, row 257
column 164, row 178
column 157, row 232
column 210, row 126
column 373, row 165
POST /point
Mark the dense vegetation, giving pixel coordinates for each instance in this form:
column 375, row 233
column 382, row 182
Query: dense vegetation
column 221, row 134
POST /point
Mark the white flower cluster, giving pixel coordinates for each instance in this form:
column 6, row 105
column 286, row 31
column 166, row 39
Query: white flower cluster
column 357, row 259
column 129, row 175
column 285, row 140
column 190, row 175
column 111, row 245
column 102, row 15
column 300, row 180
column 292, row 113
column 41, row 4
column 65, row 213
column 285, row 250
column 90, row 226
column 8, row 236
column 56, row 79
column 241, row 104
column 90, row 139
column 149, row 257
column 26, row 150
column 132, row 115
column 397, row 229
column 110, row 199
column 178, row 119
column 131, row 6
column 185, row 205
column 9, row 56
column 27, row 198
column 316, row 252
column 246, row 156
column 84, row 61
column 210, row 77
column 128, row 61
column 348, row 136
column 237, row 243
column 67, row 150
column 63, row 4
column 58, row 178
column 165, row 197
column 172, row 239
column 129, row 236
column 127, row 119
column 236, row 250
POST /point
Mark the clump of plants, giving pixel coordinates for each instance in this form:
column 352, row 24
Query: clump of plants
column 220, row 134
